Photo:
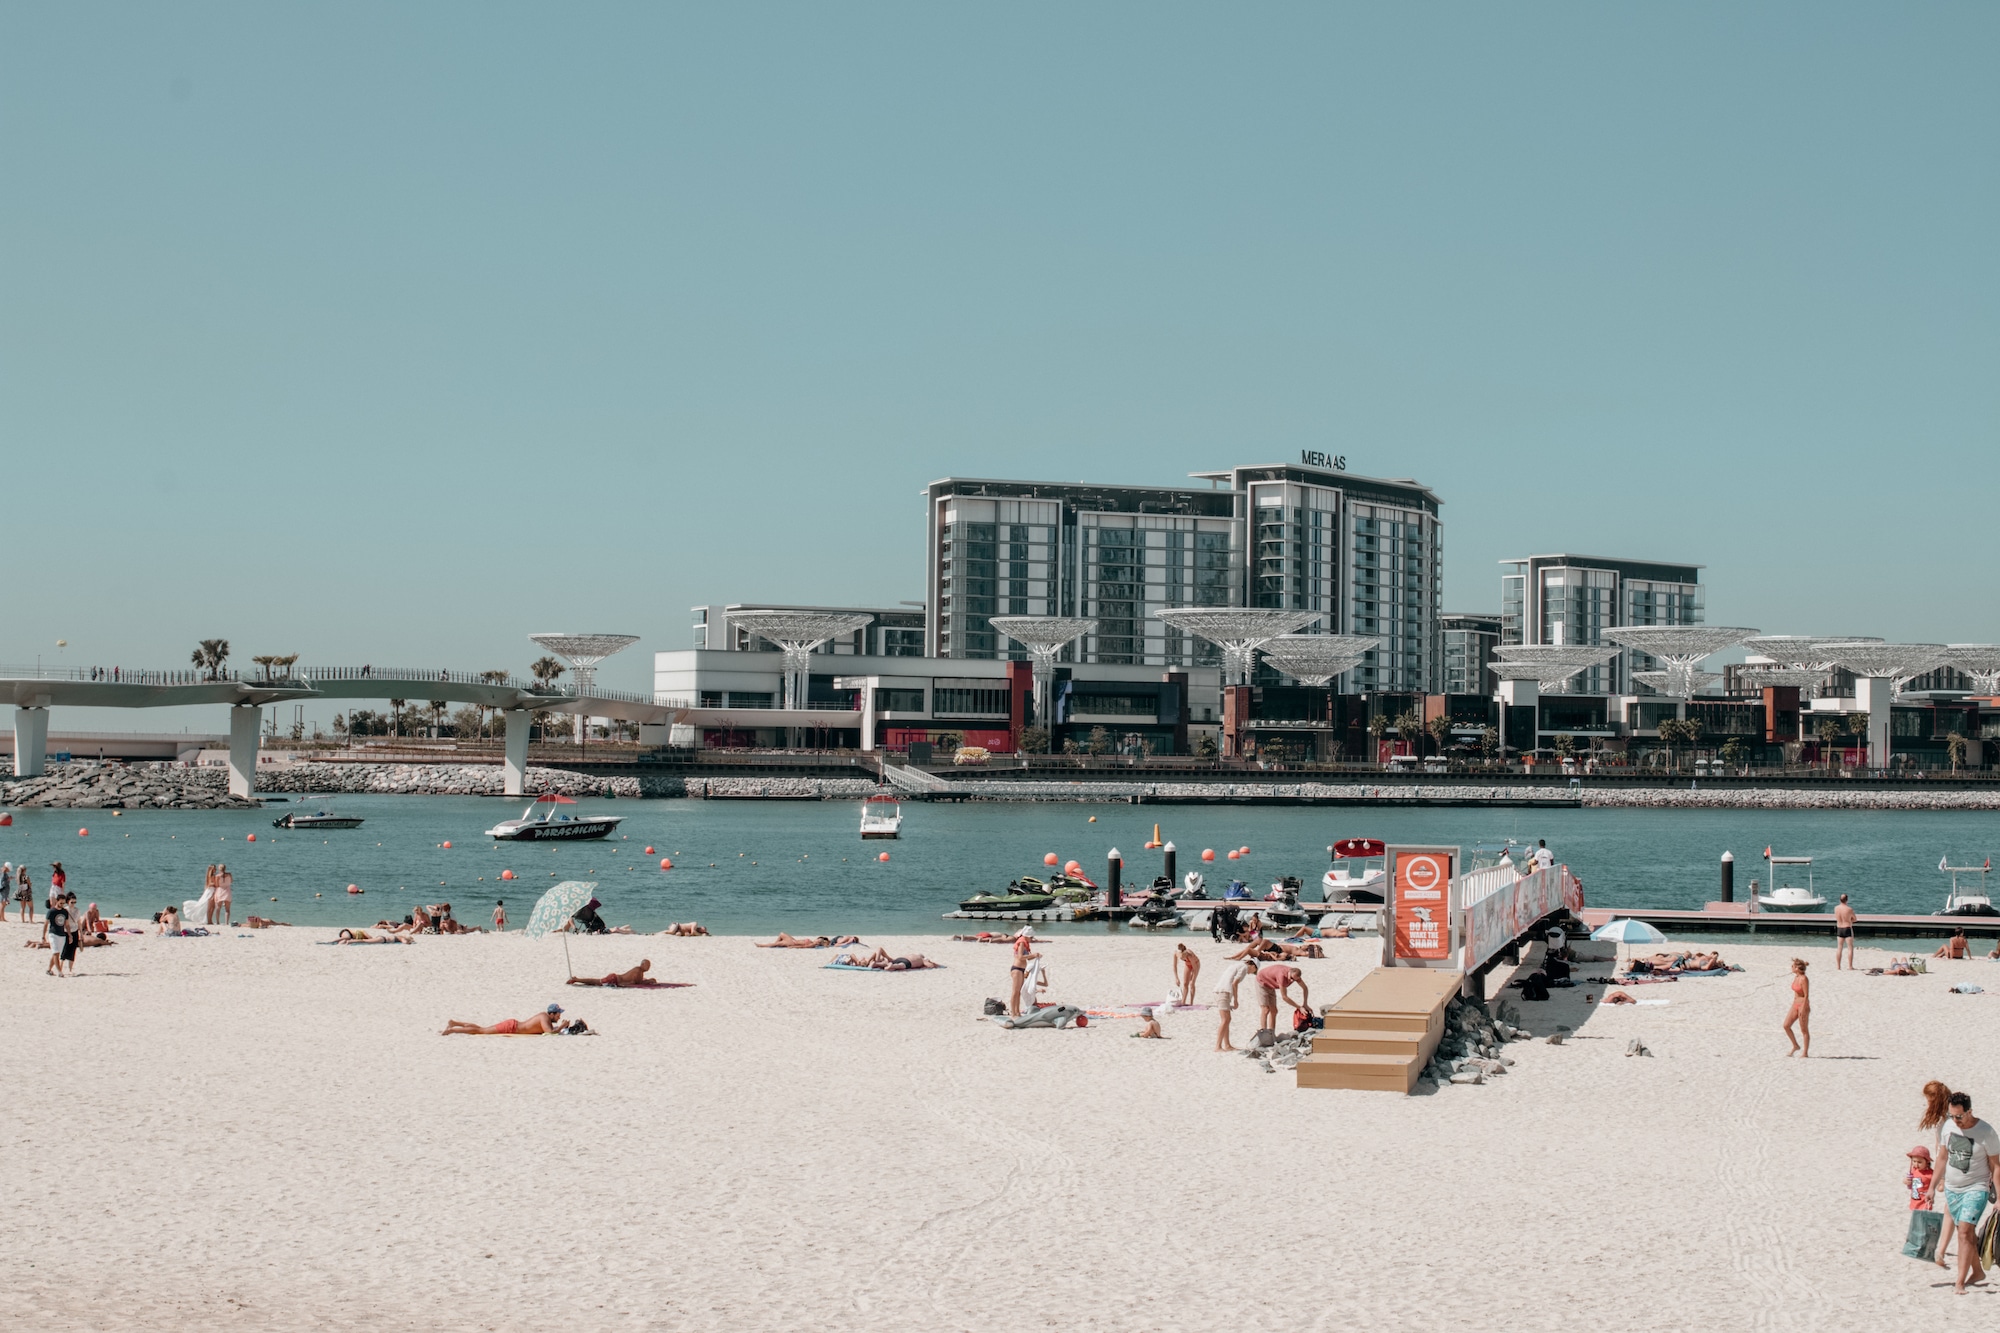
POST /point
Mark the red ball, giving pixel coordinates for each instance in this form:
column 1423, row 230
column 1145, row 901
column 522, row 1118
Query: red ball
column 666, row 862
column 447, row 846
column 354, row 888
column 506, row 874
column 1083, row 1020
column 883, row 857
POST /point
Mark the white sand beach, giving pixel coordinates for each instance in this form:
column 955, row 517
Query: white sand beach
column 253, row 1132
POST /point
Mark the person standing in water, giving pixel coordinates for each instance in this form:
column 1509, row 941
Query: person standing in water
column 1801, row 1011
column 500, row 914
column 1843, row 934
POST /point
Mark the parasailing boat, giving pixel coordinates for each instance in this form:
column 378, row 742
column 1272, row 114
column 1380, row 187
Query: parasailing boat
column 881, row 817
column 543, row 822
column 1360, row 871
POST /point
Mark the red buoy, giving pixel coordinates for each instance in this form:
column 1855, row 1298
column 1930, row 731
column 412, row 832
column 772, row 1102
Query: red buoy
column 883, row 857
column 506, row 874
column 666, row 862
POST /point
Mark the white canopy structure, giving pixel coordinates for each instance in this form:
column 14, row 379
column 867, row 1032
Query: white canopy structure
column 1800, row 678
column 1681, row 648
column 1549, row 665
column 1981, row 661
column 1238, row 630
column 1880, row 671
column 583, row 652
column 797, row 633
column 1315, row 659
column 1802, row 652
column 1044, row 637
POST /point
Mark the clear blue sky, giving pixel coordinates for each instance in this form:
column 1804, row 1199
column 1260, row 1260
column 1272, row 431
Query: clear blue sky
column 395, row 333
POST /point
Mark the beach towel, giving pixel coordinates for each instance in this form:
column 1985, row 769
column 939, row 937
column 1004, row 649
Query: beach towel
column 330, row 943
column 650, row 984
column 842, row 965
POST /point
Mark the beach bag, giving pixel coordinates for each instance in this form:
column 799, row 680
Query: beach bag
column 1303, row 1021
column 1535, row 987
column 1988, row 1234
column 1926, row 1227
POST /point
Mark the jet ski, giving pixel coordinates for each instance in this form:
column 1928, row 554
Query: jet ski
column 1157, row 911
column 1019, row 897
column 1283, row 911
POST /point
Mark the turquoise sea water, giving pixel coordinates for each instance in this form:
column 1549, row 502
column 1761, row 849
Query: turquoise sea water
column 757, row 867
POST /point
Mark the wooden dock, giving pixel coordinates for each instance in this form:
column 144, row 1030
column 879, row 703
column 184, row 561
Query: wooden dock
column 1379, row 1035
column 1738, row 918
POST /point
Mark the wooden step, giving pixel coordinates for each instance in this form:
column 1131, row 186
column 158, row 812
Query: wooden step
column 1366, row 1073
column 1364, row 1041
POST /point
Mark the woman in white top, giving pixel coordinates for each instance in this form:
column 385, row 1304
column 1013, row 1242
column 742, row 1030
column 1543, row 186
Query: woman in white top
column 1225, row 1000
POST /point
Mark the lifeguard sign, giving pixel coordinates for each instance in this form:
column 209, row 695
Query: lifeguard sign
column 1424, row 925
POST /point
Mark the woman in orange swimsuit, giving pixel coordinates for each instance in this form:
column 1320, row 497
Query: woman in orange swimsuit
column 1801, row 1011
column 1024, row 953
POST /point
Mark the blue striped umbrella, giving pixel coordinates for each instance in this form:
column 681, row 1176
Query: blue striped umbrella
column 558, row 905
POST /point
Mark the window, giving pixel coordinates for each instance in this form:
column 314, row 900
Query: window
column 902, row 643
column 953, row 701
column 1115, row 705
column 899, row 701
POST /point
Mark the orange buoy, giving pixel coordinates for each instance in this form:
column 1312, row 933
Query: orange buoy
column 354, row 888
column 1050, row 859
column 506, row 874
column 1234, row 855
column 447, row 846
column 1208, row 853
column 1245, row 851
column 1093, row 819
column 649, row 851
column 883, row 857
column 666, row 862
column 83, row 833
column 253, row 838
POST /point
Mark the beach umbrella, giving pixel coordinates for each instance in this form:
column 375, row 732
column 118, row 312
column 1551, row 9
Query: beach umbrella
column 1628, row 931
column 556, row 906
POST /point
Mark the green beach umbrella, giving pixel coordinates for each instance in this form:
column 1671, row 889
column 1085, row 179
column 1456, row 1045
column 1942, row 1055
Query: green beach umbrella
column 558, row 905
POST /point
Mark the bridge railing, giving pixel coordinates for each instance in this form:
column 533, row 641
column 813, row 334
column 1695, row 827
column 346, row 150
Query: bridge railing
column 117, row 675
column 417, row 674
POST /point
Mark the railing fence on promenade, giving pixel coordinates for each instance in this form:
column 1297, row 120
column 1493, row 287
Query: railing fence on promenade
column 1496, row 905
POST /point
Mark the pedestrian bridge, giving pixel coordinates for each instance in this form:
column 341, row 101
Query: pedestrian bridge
column 35, row 690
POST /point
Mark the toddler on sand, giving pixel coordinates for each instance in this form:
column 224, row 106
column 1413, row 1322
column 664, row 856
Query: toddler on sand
column 1918, row 1180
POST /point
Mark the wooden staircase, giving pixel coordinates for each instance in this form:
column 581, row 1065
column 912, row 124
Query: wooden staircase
column 1380, row 1035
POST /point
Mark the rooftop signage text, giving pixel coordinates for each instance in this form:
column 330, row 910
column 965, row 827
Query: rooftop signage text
column 1314, row 458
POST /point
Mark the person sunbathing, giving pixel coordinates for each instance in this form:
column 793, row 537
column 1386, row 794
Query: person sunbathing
column 363, row 937
column 1287, row 950
column 265, row 923
column 631, row 976
column 1953, row 947
column 685, row 928
column 881, row 961
column 785, row 941
column 93, row 924
column 994, row 937
column 541, row 1025
column 170, row 922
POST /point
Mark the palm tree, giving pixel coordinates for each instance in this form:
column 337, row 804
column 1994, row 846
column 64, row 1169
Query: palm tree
column 1377, row 725
column 396, row 710
column 211, row 655
column 545, row 670
column 1440, row 730
column 437, row 716
column 1828, row 731
column 1410, row 728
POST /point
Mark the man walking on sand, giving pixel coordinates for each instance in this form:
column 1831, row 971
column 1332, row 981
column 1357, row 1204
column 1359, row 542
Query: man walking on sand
column 1968, row 1169
column 1843, row 933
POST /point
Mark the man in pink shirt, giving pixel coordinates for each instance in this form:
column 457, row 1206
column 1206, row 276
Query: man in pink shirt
column 1275, row 980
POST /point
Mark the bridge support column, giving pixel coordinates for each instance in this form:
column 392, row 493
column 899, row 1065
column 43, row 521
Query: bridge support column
column 243, row 720
column 514, row 772
column 31, row 742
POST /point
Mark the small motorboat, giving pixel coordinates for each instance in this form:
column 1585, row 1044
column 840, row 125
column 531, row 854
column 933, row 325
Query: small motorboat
column 544, row 822
column 1964, row 902
column 321, row 817
column 1019, row 897
column 1360, row 872
column 1789, row 897
column 881, row 817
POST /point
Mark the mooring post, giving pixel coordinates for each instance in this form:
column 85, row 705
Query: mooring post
column 1114, row 864
column 1172, row 883
column 1729, row 877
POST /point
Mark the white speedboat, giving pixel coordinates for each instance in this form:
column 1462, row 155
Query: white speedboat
column 321, row 818
column 1964, row 902
column 881, row 817
column 1789, row 897
column 1360, row 871
column 543, row 822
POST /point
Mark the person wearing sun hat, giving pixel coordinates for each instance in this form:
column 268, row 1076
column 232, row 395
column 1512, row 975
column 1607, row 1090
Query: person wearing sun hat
column 1919, row 1178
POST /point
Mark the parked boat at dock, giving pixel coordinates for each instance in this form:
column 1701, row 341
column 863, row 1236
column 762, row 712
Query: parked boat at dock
column 1964, row 902
column 1360, row 871
column 1789, row 897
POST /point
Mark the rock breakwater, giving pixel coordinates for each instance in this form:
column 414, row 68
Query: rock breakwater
column 125, row 787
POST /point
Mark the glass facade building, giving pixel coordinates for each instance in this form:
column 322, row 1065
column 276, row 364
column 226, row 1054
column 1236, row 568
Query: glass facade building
column 1570, row 600
column 1364, row 552
column 1468, row 653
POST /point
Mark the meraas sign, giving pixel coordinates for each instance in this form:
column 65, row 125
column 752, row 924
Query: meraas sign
column 1314, row 458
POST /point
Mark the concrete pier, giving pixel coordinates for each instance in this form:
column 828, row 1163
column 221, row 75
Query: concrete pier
column 243, row 720
column 514, row 770
column 31, row 742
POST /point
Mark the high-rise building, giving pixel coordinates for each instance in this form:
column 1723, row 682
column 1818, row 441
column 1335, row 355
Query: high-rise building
column 1469, row 641
column 1364, row 552
column 1572, row 599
